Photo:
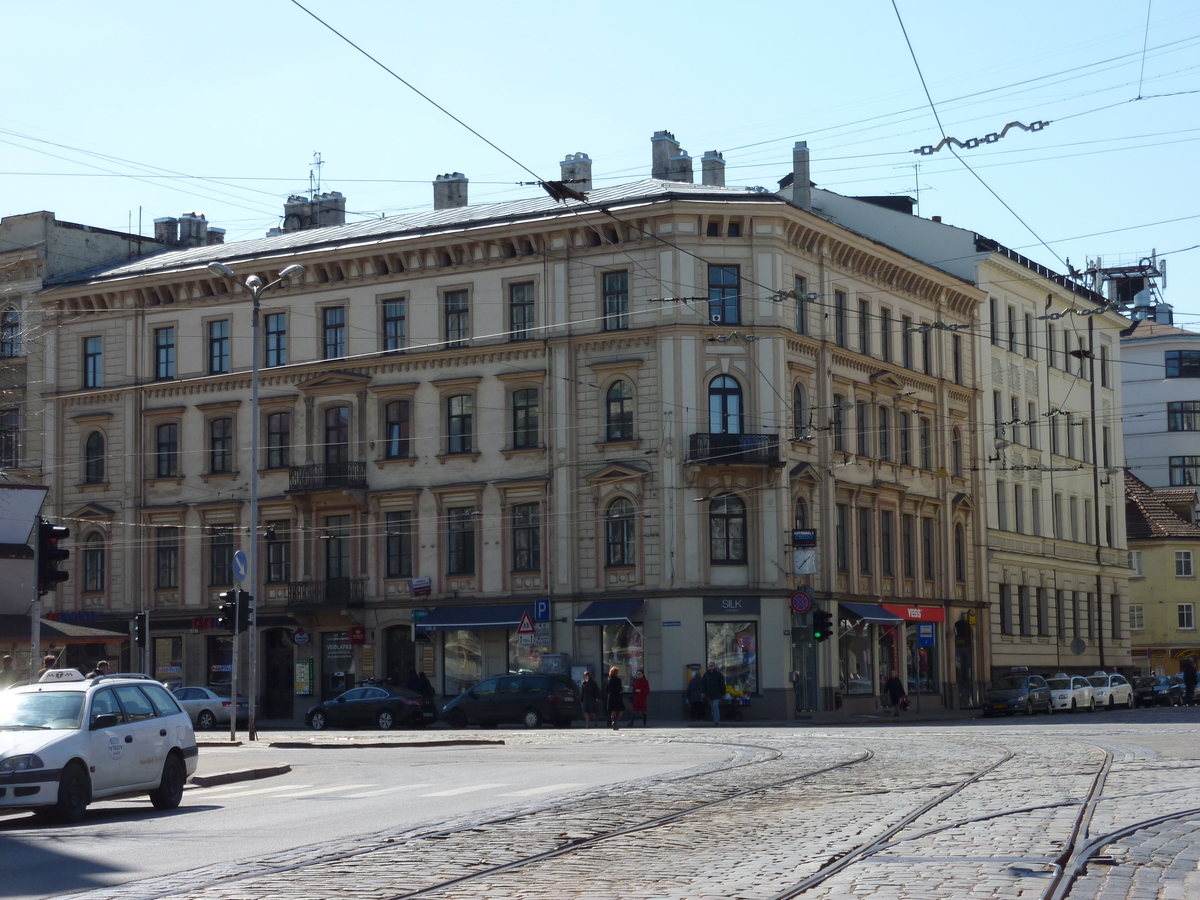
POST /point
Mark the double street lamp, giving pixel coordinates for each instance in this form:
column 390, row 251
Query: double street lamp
column 257, row 288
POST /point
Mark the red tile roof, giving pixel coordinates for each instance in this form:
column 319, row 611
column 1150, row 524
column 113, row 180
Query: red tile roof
column 1147, row 516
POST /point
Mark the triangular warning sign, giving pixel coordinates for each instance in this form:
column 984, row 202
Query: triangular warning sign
column 526, row 626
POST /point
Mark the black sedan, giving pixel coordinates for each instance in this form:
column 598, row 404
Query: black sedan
column 1017, row 693
column 1157, row 690
column 382, row 706
column 529, row 700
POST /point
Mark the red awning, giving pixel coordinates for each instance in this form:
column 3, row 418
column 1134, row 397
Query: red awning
column 917, row 613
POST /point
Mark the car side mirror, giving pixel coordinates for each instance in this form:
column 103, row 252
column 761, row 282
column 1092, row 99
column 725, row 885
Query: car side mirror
column 105, row 720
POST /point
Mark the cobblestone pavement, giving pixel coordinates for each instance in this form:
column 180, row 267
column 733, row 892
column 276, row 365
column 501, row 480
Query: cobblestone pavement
column 843, row 813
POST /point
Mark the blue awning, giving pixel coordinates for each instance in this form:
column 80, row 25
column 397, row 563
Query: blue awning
column 474, row 618
column 872, row 613
column 608, row 612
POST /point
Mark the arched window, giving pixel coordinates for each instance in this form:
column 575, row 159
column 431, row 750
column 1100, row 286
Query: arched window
column 621, row 533
column 10, row 334
column 724, row 406
column 960, row 554
column 799, row 415
column 956, row 454
column 619, row 412
column 801, row 514
column 727, row 530
column 93, row 563
column 93, row 459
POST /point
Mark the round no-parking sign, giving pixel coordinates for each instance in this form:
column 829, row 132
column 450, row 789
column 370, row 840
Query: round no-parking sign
column 801, row 602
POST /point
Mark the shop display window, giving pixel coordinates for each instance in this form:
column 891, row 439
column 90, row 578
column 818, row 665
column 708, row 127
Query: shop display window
column 522, row 657
column 220, row 661
column 733, row 646
column 922, row 661
column 168, row 660
column 856, row 669
column 621, row 646
column 463, row 660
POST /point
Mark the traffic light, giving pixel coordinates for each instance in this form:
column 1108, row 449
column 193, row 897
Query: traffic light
column 227, row 613
column 141, row 628
column 50, row 553
column 244, row 599
column 822, row 625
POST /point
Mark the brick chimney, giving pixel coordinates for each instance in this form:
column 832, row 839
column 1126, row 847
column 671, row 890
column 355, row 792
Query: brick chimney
column 577, row 167
column 801, row 176
column 215, row 235
column 297, row 213
column 450, row 191
column 329, row 209
column 166, row 230
column 662, row 147
column 193, row 230
column 679, row 167
column 712, row 166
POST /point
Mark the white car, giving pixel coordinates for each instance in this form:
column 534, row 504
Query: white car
column 1071, row 692
column 1112, row 690
column 68, row 740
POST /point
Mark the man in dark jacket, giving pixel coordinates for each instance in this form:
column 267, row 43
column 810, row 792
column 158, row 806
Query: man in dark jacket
column 894, row 688
column 714, row 690
column 425, row 686
column 1189, row 682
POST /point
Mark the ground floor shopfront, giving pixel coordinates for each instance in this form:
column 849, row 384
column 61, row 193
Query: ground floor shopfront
column 1162, row 660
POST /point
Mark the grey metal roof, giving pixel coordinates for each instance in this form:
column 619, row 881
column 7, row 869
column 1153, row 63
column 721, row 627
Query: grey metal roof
column 294, row 242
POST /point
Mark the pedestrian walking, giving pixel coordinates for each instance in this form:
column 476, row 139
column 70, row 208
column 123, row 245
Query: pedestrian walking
column 412, row 682
column 101, row 669
column 714, row 691
column 8, row 675
column 896, row 693
column 616, row 705
column 424, row 685
column 641, row 697
column 695, row 696
column 1189, row 682
column 590, row 694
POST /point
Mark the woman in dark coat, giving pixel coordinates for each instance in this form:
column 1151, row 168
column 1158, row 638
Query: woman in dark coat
column 641, row 697
column 616, row 705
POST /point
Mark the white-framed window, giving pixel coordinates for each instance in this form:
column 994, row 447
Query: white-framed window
column 1183, row 563
column 1187, row 616
column 1137, row 617
column 1135, row 563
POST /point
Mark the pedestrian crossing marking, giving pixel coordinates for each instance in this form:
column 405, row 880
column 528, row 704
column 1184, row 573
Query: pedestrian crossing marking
column 465, row 790
column 388, row 790
column 325, row 790
column 222, row 795
column 544, row 789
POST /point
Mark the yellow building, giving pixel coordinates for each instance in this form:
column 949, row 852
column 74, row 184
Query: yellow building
column 1162, row 581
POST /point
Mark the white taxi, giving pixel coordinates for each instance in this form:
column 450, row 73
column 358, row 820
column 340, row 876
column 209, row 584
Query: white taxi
column 1071, row 692
column 1112, row 690
column 68, row 740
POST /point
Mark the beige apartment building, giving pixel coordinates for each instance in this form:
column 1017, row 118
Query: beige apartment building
column 1049, row 443
column 613, row 416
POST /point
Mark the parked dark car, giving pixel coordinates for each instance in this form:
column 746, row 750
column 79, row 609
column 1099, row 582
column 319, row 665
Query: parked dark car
column 1178, row 677
column 382, row 706
column 1017, row 693
column 1157, row 690
column 529, row 700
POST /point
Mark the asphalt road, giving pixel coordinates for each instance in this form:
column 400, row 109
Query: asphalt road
column 330, row 793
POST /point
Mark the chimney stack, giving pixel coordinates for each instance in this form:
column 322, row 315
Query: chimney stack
column 450, row 191
column 193, row 230
column 216, row 236
column 712, row 166
column 297, row 213
column 663, row 146
column 801, row 176
column 680, row 167
column 166, row 230
column 330, row 209
column 577, row 167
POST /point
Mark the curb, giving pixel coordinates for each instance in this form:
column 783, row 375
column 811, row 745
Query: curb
column 318, row 745
column 239, row 775
column 218, row 743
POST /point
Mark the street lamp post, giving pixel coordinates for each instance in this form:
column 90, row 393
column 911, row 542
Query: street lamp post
column 255, row 286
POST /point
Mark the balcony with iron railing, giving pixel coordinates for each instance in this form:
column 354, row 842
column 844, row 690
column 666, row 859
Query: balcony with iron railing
column 327, row 476
column 734, row 450
column 335, row 593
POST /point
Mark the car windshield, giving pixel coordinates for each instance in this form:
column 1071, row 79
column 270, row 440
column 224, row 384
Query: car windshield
column 1161, row 681
column 1009, row 683
column 1099, row 681
column 1059, row 684
column 44, row 709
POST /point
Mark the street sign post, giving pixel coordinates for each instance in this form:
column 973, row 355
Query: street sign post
column 541, row 610
column 801, row 602
column 241, row 566
column 526, row 626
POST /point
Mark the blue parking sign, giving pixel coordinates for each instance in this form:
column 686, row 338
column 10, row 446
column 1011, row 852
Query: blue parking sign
column 925, row 635
column 541, row 610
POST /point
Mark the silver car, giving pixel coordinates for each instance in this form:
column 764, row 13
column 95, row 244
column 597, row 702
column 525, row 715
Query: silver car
column 1071, row 692
column 210, row 707
column 1112, row 690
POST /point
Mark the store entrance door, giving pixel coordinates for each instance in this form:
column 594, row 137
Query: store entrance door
column 278, row 675
column 804, row 663
column 964, row 664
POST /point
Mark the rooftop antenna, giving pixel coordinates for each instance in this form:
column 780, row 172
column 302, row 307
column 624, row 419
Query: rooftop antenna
column 314, row 187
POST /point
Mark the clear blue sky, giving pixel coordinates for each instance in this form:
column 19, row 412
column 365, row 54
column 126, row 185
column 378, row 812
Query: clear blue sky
column 240, row 95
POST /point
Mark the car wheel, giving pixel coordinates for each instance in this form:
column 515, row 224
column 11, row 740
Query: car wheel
column 170, row 787
column 1029, row 707
column 317, row 721
column 987, row 713
column 1074, row 705
column 384, row 720
column 74, row 793
column 1112, row 704
column 532, row 718
column 206, row 721
column 1129, row 703
column 1092, row 706
column 457, row 719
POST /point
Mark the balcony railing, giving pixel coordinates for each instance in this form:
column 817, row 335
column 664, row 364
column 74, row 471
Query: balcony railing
column 336, row 593
column 327, row 476
column 734, row 449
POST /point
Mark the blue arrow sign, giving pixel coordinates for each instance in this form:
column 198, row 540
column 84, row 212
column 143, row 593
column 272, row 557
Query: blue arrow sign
column 241, row 566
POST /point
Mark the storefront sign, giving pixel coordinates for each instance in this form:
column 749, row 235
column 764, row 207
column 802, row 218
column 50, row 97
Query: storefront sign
column 671, row 624
column 420, row 587
column 300, row 637
column 917, row 613
column 358, row 634
column 304, row 678
column 722, row 606
column 805, row 537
